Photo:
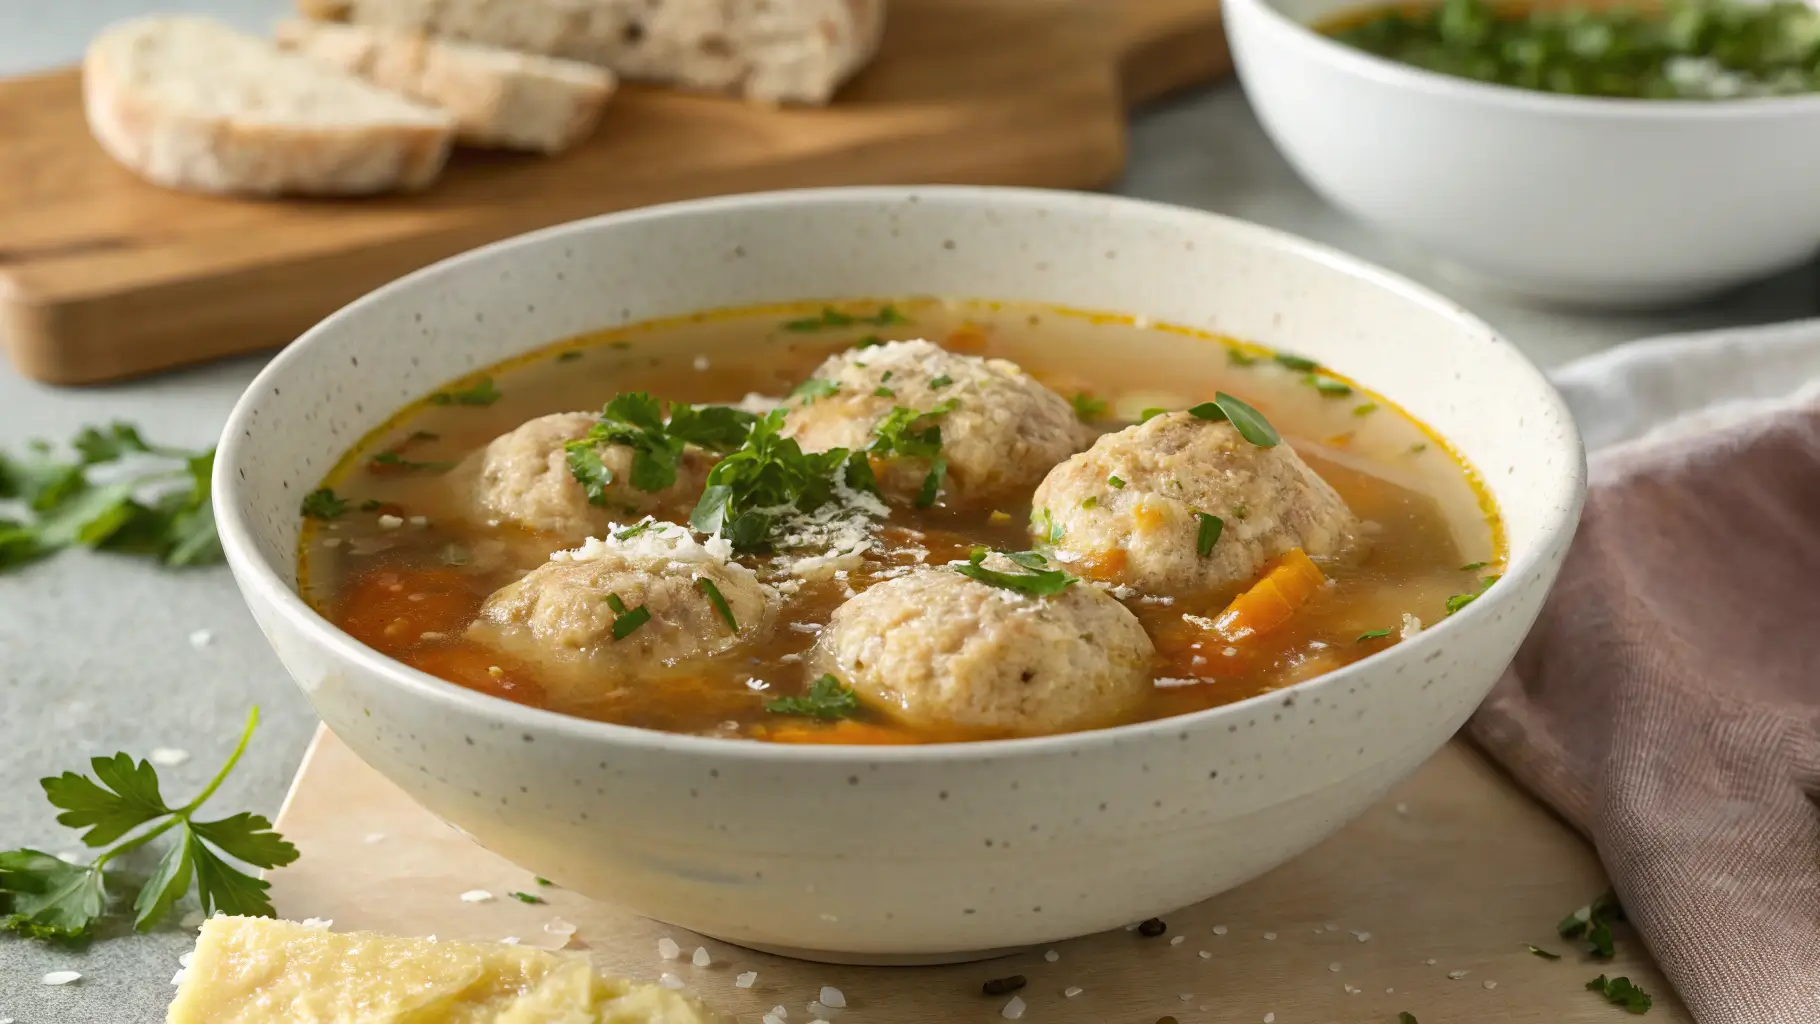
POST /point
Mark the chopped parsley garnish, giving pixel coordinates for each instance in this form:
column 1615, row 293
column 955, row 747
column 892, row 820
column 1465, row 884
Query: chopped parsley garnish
column 42, row 897
column 1297, row 363
column 869, row 341
column 938, row 383
column 322, row 504
column 568, row 357
column 1365, row 409
column 484, row 392
column 634, row 530
column 768, row 479
column 371, row 505
column 1621, row 992
column 1251, row 424
column 1543, row 953
column 1473, row 566
column 636, row 420
column 1146, row 415
column 706, row 586
column 1047, row 529
column 830, row 318
column 815, row 388
column 159, row 508
column 826, row 699
column 1209, row 534
column 1375, row 634
column 1113, row 481
column 1090, row 502
column 540, row 880
column 1593, row 923
column 390, row 461
column 1037, row 579
column 1328, row 387
column 909, row 434
column 1459, row 601
column 625, row 620
column 883, row 392
column 1089, row 408
column 1418, row 448
column 526, row 897
column 1240, row 357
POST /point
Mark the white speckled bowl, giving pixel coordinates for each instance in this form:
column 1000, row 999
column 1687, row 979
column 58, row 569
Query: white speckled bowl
column 910, row 853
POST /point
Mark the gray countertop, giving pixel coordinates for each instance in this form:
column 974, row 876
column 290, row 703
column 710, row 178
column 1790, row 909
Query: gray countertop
column 99, row 654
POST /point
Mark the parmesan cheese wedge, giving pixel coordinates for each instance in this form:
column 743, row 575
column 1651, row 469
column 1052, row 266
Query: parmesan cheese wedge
column 249, row 970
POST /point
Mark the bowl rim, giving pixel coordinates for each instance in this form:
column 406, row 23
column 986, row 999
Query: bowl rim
column 1299, row 34
column 260, row 581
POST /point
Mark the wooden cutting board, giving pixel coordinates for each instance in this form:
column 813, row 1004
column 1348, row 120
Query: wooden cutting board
column 1455, row 871
column 103, row 276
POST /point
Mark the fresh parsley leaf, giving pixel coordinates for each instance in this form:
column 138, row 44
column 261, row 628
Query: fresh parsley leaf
column 909, row 434
column 1473, row 566
column 1090, row 502
column 1240, row 357
column 391, row 462
column 586, row 466
column 160, row 511
column 940, row 382
column 1208, row 534
column 540, row 880
column 483, row 393
column 770, row 478
column 1365, row 409
column 625, row 620
column 869, row 341
column 1593, row 921
column 1037, row 580
column 826, row 699
column 1251, row 424
column 1047, row 529
column 322, row 504
column 568, row 357
column 1543, row 953
column 883, row 392
column 1621, row 992
column 1328, row 387
column 634, row 530
column 1113, row 481
column 1459, row 601
column 526, row 897
column 43, row 897
column 1088, row 408
column 1375, row 634
column 1418, row 448
column 814, row 388
column 706, row 586
column 932, row 483
column 1296, row 363
column 1146, row 415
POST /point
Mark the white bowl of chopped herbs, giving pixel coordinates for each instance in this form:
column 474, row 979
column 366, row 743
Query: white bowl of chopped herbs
column 1607, row 155
column 921, row 853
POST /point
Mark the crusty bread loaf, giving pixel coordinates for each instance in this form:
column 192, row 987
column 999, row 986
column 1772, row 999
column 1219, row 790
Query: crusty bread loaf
column 191, row 104
column 774, row 51
column 498, row 97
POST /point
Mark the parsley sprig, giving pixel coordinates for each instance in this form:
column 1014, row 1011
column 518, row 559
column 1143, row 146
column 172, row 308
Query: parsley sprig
column 43, row 897
column 1621, row 992
column 906, row 433
column 1459, row 601
column 826, row 698
column 1250, row 423
column 637, row 420
column 1037, row 579
column 1593, row 923
column 119, row 493
column 769, row 479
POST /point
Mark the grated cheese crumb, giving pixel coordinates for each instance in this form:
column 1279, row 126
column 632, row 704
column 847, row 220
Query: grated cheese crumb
column 476, row 896
column 169, row 757
column 390, row 522
column 177, row 979
column 375, row 837
column 510, row 940
column 62, row 977
column 309, row 922
column 670, row 981
column 201, row 638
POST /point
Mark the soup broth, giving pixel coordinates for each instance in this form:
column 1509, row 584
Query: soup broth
column 388, row 556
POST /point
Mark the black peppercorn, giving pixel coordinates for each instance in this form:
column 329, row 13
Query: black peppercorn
column 1152, row 928
column 1000, row 986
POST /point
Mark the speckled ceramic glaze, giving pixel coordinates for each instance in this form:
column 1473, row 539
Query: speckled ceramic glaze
column 910, row 852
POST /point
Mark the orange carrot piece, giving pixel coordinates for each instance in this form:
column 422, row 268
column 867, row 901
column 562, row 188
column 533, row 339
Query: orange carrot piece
column 838, row 734
column 1289, row 581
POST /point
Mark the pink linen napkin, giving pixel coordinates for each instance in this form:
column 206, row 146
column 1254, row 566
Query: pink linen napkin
column 1667, row 703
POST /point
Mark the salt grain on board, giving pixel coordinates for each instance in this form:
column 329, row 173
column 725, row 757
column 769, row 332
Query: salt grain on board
column 668, row 949
column 1270, row 1018
column 1071, row 991
column 1334, row 967
column 1052, row 956
column 1430, row 961
column 476, row 896
column 1204, row 955
column 780, row 1012
column 1457, row 975
column 1490, row 985
column 1362, row 936
column 670, row 981
column 701, row 957
column 62, row 977
column 771, row 1018
column 1219, row 929
column 201, row 638
column 169, row 757
column 833, row 997
column 746, row 980
column 1013, row 1009
column 1178, row 940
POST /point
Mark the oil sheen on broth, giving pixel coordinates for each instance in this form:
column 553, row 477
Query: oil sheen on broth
column 393, row 552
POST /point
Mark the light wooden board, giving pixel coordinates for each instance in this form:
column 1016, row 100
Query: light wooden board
column 1455, row 871
column 103, row 276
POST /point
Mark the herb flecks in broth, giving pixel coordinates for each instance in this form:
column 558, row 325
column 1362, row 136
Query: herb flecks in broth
column 816, row 530
column 483, row 393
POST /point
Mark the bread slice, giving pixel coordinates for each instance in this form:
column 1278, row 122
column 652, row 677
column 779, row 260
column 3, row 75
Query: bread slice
column 498, row 97
column 773, row 51
column 191, row 104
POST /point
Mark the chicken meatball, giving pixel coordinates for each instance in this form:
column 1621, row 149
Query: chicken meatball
column 646, row 599
column 939, row 649
column 522, row 478
column 1001, row 430
column 1129, row 509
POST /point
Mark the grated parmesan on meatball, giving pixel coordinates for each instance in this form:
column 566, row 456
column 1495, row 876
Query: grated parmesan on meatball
column 1003, row 432
column 522, row 479
column 1127, row 510
column 561, row 616
column 939, row 649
